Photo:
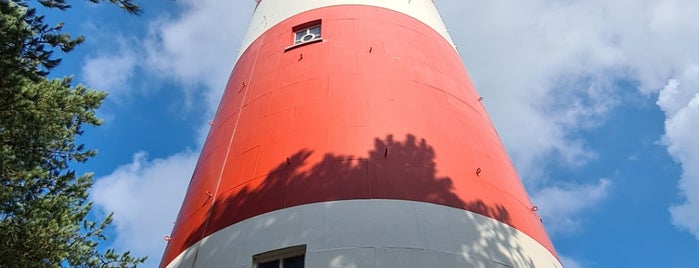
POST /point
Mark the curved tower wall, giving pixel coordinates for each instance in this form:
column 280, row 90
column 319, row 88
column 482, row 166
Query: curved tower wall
column 367, row 144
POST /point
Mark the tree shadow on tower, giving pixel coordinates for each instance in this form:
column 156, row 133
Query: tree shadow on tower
column 392, row 170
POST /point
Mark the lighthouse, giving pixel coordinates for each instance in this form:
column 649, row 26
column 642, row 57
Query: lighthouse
column 350, row 135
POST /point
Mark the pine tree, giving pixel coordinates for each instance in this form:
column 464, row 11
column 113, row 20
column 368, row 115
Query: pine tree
column 44, row 204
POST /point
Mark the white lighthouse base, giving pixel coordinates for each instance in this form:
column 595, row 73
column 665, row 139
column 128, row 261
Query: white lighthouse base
column 372, row 233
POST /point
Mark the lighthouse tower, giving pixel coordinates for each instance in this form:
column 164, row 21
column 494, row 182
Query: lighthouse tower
column 350, row 135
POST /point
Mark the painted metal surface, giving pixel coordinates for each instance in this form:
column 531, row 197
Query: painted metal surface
column 372, row 233
column 381, row 108
column 271, row 12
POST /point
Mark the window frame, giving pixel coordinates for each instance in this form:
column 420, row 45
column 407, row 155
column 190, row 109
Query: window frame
column 300, row 35
column 305, row 27
column 280, row 254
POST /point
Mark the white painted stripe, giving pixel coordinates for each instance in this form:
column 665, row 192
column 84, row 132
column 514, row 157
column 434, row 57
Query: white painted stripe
column 272, row 12
column 372, row 233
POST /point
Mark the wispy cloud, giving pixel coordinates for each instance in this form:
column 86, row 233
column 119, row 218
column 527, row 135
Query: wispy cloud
column 110, row 72
column 544, row 69
column 547, row 70
column 145, row 196
column 199, row 47
column 560, row 206
column 195, row 49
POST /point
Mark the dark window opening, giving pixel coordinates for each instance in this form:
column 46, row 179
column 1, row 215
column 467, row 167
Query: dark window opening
column 291, row 257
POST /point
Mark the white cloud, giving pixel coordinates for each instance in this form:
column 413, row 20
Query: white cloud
column 195, row 48
column 547, row 70
column 560, row 206
column 145, row 197
column 110, row 72
column 199, row 46
column 680, row 101
column 544, row 68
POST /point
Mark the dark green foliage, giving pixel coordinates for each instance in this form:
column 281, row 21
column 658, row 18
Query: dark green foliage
column 126, row 5
column 43, row 202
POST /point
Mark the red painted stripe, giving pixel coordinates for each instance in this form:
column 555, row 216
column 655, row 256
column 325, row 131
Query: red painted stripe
column 383, row 108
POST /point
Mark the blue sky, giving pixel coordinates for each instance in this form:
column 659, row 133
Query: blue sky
column 596, row 101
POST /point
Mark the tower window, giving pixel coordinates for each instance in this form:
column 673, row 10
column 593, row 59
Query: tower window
column 291, row 257
column 307, row 34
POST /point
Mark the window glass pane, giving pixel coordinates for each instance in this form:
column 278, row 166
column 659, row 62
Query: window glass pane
column 300, row 35
column 315, row 30
column 269, row 264
column 294, row 262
